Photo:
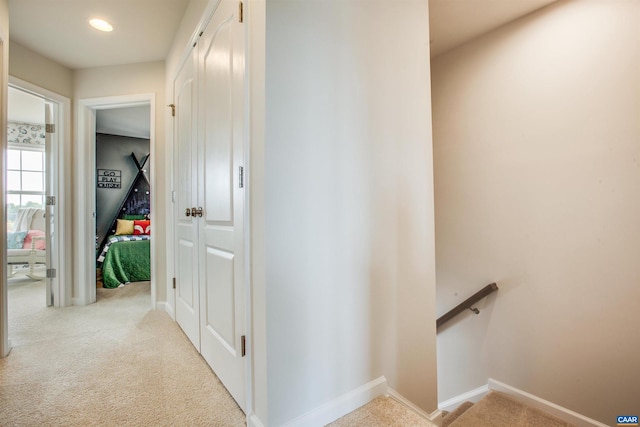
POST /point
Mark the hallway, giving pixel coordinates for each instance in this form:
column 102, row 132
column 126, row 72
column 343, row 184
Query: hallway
column 115, row 362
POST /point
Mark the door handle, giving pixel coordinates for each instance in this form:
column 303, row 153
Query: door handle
column 193, row 211
column 188, row 212
column 199, row 212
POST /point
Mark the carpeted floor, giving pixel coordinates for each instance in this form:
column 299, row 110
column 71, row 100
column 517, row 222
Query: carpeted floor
column 113, row 363
column 382, row 412
column 119, row 363
column 500, row 410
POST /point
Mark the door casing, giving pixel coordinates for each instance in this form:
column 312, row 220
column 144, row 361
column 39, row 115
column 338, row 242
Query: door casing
column 85, row 191
column 62, row 292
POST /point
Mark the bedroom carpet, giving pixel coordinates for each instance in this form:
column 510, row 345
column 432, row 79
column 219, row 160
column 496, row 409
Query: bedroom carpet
column 113, row 363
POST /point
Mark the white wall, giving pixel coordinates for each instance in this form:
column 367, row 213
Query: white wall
column 24, row 107
column 537, row 164
column 34, row 68
column 348, row 203
column 137, row 79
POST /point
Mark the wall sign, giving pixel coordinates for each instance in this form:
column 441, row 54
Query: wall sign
column 109, row 178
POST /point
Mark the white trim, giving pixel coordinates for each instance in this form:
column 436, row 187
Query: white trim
column 544, row 405
column 5, row 343
column 163, row 306
column 472, row 396
column 62, row 117
column 85, row 278
column 435, row 417
column 342, row 405
column 254, row 421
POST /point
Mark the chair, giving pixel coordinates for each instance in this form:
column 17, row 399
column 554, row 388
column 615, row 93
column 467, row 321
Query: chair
column 34, row 258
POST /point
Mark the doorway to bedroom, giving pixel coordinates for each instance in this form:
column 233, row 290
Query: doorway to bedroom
column 122, row 199
column 88, row 241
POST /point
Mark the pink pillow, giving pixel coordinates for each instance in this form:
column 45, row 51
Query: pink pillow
column 40, row 244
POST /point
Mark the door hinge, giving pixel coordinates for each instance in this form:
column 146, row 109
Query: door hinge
column 241, row 177
column 243, row 346
column 240, row 12
column 51, row 201
column 174, row 283
column 51, row 273
column 50, row 128
column 173, row 109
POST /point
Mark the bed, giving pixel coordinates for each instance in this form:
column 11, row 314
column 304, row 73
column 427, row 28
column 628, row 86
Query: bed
column 125, row 257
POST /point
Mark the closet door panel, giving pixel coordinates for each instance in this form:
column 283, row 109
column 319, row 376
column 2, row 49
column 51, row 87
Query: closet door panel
column 218, row 122
column 187, row 298
column 221, row 110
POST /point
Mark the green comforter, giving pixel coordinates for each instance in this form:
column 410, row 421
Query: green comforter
column 126, row 262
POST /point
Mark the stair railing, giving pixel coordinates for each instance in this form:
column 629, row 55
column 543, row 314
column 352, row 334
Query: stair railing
column 467, row 304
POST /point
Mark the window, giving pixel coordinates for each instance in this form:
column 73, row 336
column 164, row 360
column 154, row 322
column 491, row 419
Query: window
column 25, row 181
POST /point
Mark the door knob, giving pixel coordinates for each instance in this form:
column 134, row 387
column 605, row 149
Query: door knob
column 188, row 212
column 199, row 212
column 193, row 211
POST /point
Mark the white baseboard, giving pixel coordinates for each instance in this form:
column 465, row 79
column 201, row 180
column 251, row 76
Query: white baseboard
column 341, row 405
column 254, row 421
column 163, row 306
column 544, row 405
column 471, row 396
column 435, row 417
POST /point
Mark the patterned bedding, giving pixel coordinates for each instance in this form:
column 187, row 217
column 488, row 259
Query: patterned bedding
column 121, row 238
column 125, row 259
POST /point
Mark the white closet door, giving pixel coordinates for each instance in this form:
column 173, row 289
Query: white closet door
column 221, row 119
column 186, row 190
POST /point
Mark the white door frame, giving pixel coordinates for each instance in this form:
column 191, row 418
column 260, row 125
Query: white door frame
column 85, row 229
column 5, row 345
column 62, row 185
column 62, row 293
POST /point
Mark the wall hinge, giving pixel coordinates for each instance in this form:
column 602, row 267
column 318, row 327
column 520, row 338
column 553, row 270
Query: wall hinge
column 243, row 346
column 51, row 273
column 174, row 283
column 50, row 128
column 241, row 177
column 240, row 12
column 51, row 201
column 173, row 109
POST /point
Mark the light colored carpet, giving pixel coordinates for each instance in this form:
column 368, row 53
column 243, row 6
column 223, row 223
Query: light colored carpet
column 499, row 410
column 451, row 417
column 494, row 410
column 113, row 363
column 382, row 412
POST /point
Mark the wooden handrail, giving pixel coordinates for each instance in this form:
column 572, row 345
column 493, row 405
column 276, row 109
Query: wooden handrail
column 467, row 304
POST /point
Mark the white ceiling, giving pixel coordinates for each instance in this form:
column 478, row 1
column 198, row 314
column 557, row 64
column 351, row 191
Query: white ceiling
column 59, row 30
column 144, row 29
column 126, row 121
column 455, row 22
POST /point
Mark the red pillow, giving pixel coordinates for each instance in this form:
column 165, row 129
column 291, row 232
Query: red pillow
column 39, row 244
column 141, row 227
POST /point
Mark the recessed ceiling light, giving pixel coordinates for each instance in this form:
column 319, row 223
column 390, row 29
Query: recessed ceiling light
column 100, row 24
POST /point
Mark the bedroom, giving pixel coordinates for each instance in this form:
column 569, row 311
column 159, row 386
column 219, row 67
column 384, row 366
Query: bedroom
column 122, row 196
